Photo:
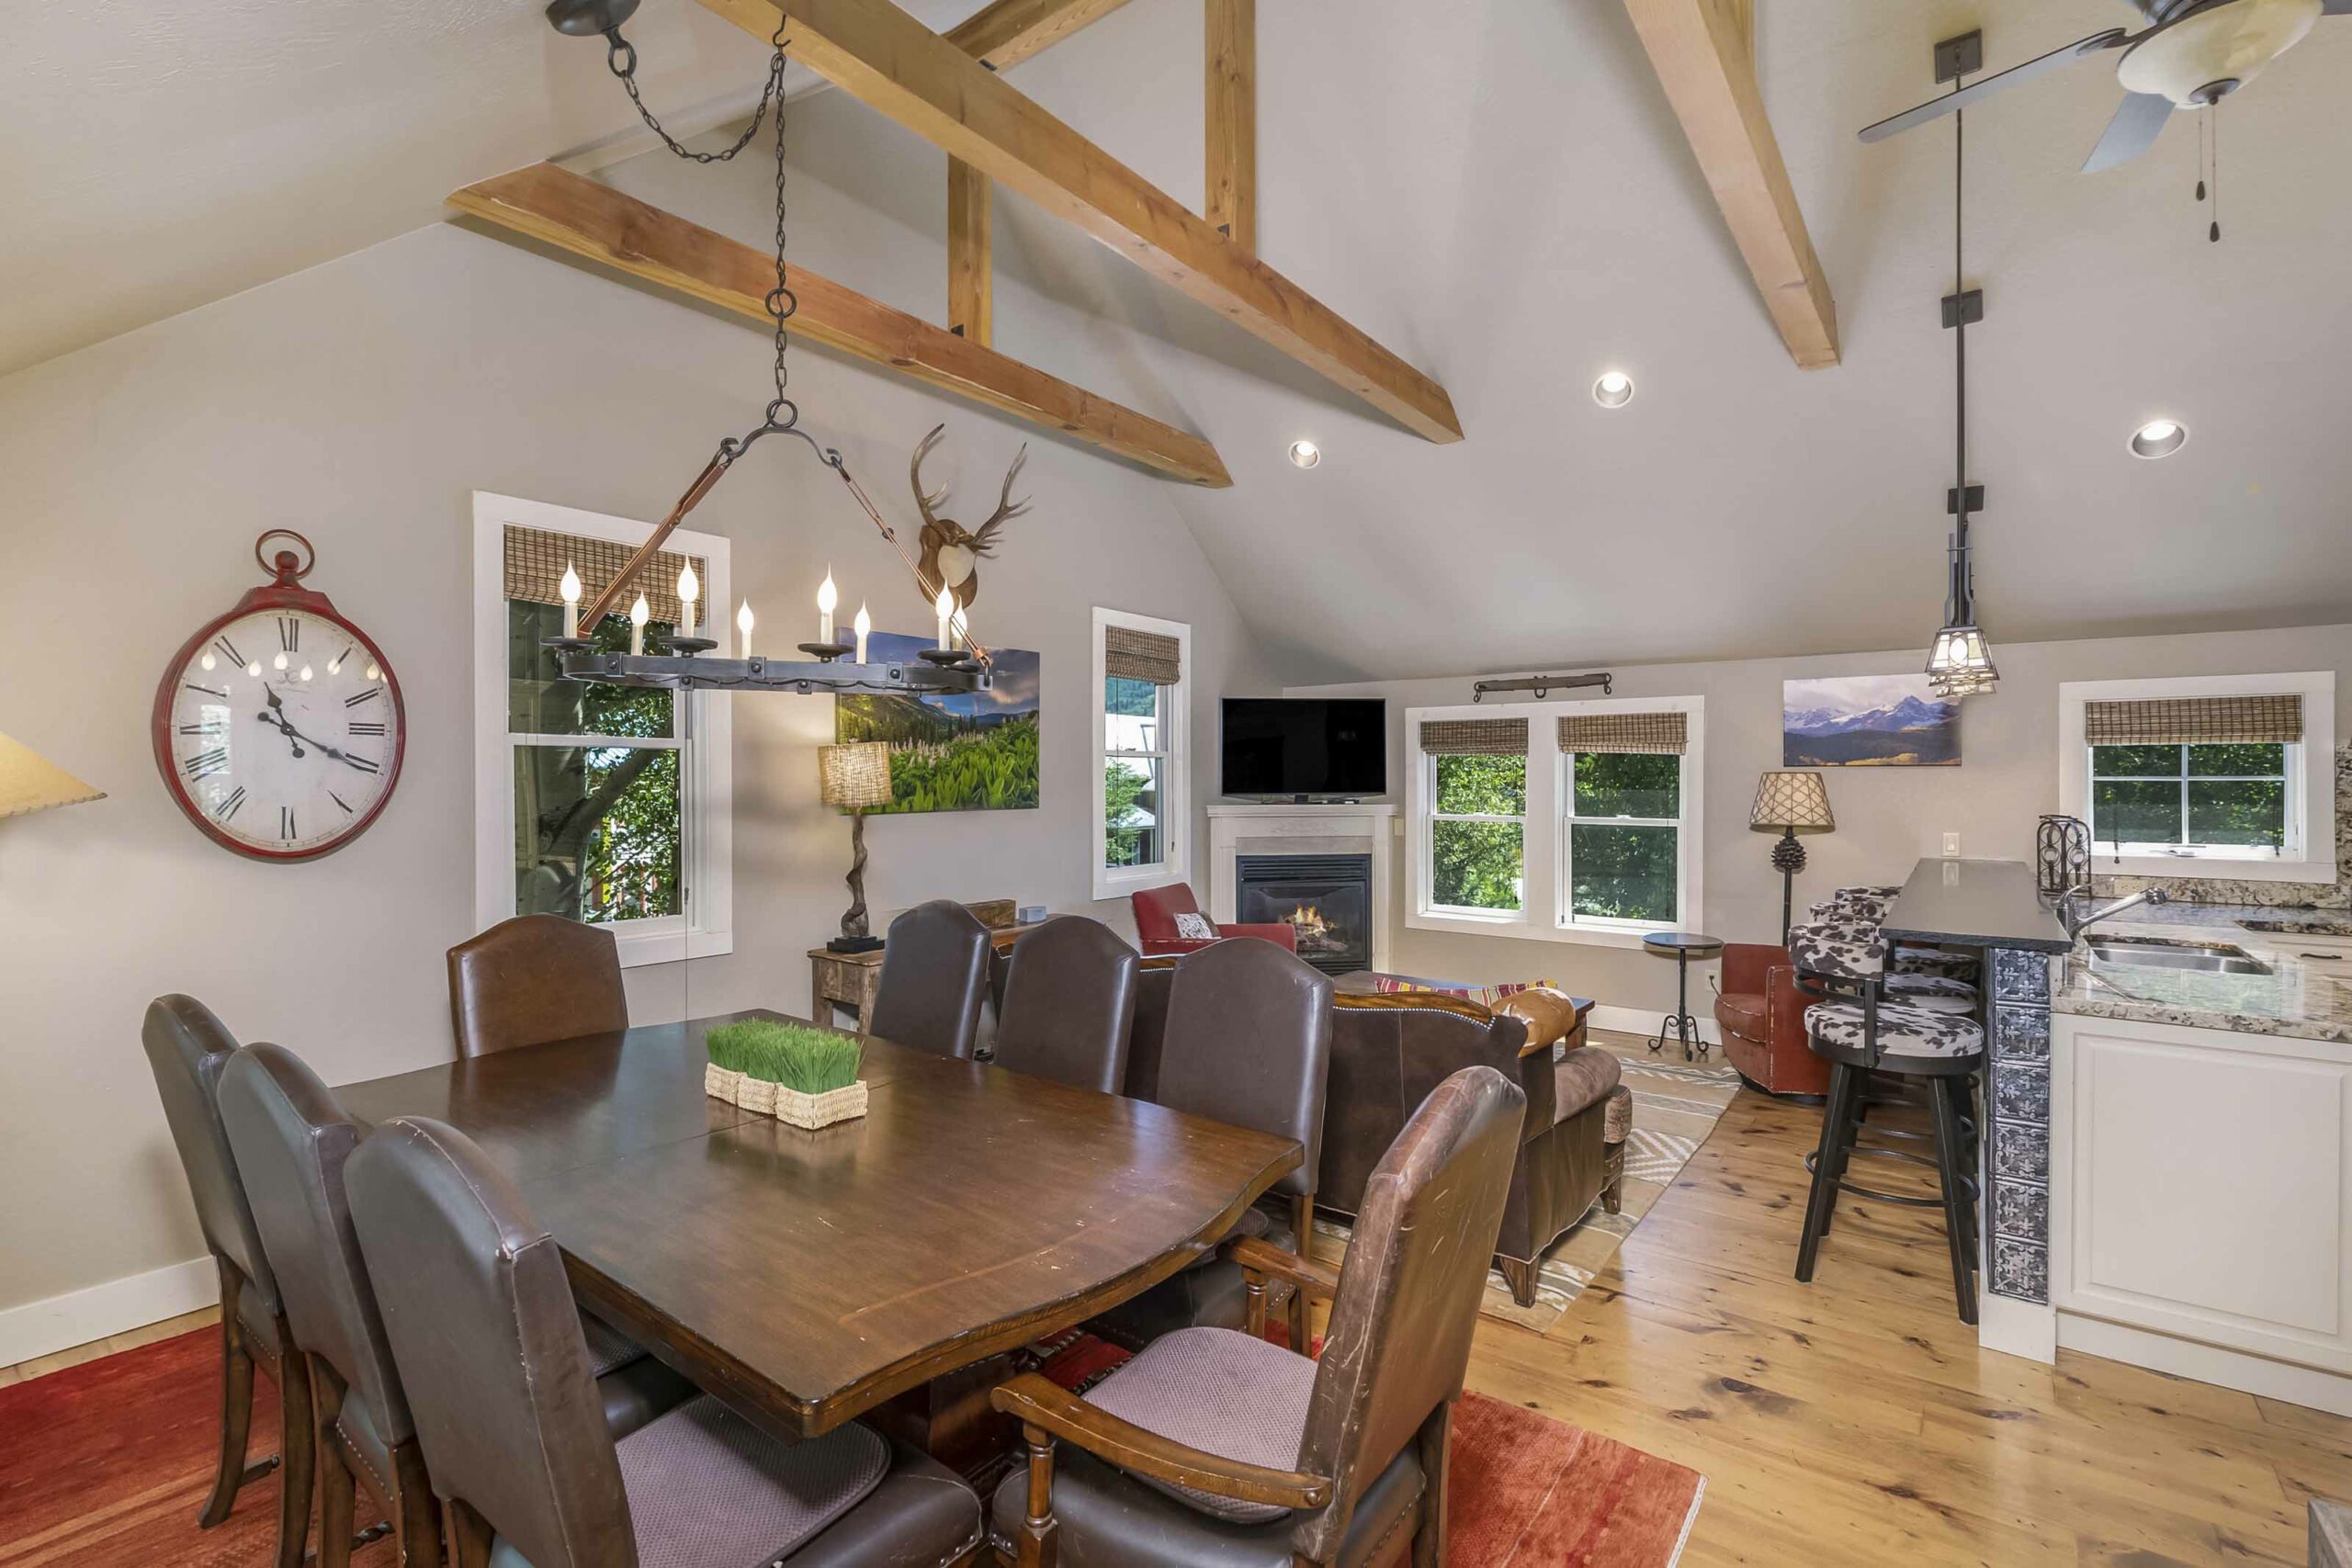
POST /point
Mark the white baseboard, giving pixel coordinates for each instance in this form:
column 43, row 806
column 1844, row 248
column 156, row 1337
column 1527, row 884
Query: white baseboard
column 81, row 1317
column 2017, row 1328
column 1642, row 1020
column 2331, row 1391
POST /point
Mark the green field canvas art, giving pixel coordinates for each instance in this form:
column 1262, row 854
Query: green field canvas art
column 959, row 751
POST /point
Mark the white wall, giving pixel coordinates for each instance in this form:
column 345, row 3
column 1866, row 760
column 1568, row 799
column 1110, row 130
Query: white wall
column 1887, row 818
column 360, row 403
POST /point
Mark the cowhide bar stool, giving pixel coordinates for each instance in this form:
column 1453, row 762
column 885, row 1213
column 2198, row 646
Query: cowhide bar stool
column 1860, row 1031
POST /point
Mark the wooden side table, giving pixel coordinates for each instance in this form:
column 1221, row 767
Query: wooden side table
column 843, row 980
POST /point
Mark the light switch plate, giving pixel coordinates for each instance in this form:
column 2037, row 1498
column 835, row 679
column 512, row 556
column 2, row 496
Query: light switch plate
column 1951, row 846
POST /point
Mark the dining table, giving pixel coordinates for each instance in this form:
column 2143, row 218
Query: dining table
column 806, row 1278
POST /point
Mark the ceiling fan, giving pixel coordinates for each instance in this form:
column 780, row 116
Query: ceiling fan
column 2195, row 53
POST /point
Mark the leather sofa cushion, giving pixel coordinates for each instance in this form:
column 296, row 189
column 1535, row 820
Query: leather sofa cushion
column 1617, row 1123
column 1220, row 1392
column 1746, row 1013
column 1581, row 1079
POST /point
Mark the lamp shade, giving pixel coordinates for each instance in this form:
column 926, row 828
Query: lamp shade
column 1792, row 799
column 855, row 775
column 30, row 781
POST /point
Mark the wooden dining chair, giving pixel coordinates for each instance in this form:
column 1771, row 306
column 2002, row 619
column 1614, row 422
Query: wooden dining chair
column 188, row 1048
column 292, row 1139
column 1246, row 1041
column 934, row 976
column 1069, row 1005
column 534, row 980
column 482, row 1325
column 1215, row 1447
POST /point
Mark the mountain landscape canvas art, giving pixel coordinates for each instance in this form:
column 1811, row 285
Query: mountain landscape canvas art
column 1867, row 721
column 952, row 751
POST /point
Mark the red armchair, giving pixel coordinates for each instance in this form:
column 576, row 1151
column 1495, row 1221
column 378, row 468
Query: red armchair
column 1157, row 908
column 1762, row 1016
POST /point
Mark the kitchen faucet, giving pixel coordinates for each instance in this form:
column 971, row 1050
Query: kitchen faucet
column 2077, row 924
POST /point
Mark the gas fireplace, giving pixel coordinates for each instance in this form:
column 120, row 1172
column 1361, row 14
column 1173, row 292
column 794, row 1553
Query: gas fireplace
column 1326, row 899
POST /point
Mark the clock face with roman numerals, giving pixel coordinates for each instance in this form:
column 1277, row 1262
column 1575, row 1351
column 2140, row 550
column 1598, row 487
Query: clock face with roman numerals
column 279, row 727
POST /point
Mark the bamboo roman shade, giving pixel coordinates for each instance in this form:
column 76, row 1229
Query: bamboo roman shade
column 536, row 559
column 2170, row 721
column 1474, row 737
column 1661, row 734
column 1132, row 655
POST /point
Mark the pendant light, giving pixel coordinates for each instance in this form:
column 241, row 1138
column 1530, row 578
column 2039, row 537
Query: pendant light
column 1959, row 662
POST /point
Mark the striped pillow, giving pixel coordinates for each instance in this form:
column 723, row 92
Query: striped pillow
column 1484, row 995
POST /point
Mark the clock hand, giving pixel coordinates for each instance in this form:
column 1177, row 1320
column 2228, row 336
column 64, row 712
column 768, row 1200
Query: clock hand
column 292, row 738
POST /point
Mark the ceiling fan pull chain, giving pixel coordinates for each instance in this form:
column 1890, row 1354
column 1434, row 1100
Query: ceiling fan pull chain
column 2213, row 234
column 2200, row 159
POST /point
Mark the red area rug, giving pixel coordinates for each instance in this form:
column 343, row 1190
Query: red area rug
column 1528, row 1492
column 104, row 1465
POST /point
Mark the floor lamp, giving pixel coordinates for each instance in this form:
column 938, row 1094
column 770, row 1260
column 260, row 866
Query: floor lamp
column 1790, row 801
column 855, row 777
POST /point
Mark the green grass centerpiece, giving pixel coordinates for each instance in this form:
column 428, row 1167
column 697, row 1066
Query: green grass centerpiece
column 794, row 1072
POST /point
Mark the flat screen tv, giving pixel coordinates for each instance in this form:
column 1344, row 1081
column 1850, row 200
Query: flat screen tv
column 1305, row 746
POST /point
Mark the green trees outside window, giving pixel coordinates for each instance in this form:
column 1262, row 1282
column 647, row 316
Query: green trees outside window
column 1478, row 833
column 2189, row 797
column 1625, row 837
column 1133, row 756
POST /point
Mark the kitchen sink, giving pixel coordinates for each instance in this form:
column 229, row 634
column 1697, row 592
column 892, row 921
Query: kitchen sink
column 2145, row 953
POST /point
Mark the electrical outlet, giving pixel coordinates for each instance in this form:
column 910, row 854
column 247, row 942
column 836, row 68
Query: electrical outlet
column 1951, row 846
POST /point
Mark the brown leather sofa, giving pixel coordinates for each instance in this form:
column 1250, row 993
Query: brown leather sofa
column 1390, row 1051
column 1762, row 1013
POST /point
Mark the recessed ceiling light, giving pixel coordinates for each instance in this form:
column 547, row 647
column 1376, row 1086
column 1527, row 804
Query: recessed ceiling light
column 2159, row 438
column 1613, row 390
column 1305, row 454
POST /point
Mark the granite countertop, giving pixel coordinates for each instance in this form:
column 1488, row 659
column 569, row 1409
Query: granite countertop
column 2296, row 998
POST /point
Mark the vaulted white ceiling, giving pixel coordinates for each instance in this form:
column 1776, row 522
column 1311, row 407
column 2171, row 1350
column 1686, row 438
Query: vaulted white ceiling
column 1498, row 193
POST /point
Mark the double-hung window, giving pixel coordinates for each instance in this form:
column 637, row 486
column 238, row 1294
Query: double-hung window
column 597, row 803
column 1140, row 703
column 2225, row 776
column 1569, row 821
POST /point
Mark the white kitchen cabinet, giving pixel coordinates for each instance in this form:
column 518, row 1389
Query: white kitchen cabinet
column 2201, row 1195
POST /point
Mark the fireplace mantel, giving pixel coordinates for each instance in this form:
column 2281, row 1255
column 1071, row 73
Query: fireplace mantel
column 1236, row 829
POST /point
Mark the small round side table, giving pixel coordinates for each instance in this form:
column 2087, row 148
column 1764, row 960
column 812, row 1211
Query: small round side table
column 1682, row 947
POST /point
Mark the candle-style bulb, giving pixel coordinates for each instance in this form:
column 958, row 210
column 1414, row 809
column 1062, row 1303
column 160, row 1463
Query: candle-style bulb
column 863, row 626
column 945, row 608
column 687, row 591
column 828, row 596
column 638, row 613
column 569, row 589
column 743, row 625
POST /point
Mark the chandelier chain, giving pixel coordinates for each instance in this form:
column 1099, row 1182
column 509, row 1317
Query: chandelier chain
column 782, row 303
column 620, row 59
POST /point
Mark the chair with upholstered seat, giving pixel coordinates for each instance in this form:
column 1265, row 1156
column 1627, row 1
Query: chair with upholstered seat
column 535, row 980
column 934, row 977
column 292, row 1140
column 187, row 1049
column 1247, row 1041
column 491, row 1352
column 1168, row 921
column 1862, row 1031
column 1069, row 1005
column 1214, row 1447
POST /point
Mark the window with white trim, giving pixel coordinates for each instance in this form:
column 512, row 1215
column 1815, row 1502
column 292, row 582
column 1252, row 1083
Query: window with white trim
column 2207, row 777
column 603, row 803
column 1473, row 775
column 1141, row 700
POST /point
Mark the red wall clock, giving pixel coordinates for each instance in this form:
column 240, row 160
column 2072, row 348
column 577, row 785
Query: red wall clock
column 279, row 727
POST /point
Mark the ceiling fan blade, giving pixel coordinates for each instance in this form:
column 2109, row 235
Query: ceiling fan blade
column 1936, row 109
column 2138, row 121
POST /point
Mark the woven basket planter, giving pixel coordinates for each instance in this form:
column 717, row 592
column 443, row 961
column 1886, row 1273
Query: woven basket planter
column 719, row 1083
column 815, row 1110
column 756, row 1095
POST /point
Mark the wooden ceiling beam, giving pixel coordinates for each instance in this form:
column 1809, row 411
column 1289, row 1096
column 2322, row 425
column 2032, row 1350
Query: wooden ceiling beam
column 1010, row 31
column 971, row 265
column 576, row 214
column 885, row 58
column 1705, row 57
column 1232, row 119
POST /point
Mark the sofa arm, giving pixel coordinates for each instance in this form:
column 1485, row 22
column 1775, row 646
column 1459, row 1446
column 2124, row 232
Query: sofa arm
column 1747, row 966
column 1788, row 1005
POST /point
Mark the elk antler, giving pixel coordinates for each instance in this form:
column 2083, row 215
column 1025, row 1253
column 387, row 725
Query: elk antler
column 1007, row 508
column 924, row 500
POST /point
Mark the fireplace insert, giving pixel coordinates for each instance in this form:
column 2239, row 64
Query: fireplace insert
column 1326, row 899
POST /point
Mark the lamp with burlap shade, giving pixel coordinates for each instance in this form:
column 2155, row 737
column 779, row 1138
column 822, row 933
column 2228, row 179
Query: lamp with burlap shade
column 1790, row 801
column 855, row 777
column 30, row 781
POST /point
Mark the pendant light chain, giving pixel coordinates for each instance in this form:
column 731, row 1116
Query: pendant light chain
column 781, row 302
column 620, row 59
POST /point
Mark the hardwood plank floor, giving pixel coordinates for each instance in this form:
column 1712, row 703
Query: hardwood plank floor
column 1855, row 1421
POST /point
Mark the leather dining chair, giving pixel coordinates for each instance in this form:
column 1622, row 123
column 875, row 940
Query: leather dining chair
column 188, row 1048
column 1212, row 1446
column 533, row 979
column 934, row 977
column 1069, row 1005
column 1247, row 1041
column 489, row 1346
column 292, row 1140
